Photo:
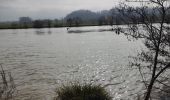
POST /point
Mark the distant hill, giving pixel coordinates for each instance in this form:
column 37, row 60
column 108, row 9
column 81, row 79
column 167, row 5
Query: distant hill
column 89, row 15
column 85, row 15
column 105, row 17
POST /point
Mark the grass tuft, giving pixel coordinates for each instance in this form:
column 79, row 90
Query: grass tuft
column 82, row 92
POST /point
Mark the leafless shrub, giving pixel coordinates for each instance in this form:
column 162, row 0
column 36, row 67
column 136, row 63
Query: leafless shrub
column 149, row 23
column 7, row 85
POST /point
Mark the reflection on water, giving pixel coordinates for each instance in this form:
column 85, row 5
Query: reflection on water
column 39, row 32
column 42, row 31
column 39, row 64
column 86, row 30
column 49, row 31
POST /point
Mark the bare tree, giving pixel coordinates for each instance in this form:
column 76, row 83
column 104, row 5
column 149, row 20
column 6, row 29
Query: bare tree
column 148, row 22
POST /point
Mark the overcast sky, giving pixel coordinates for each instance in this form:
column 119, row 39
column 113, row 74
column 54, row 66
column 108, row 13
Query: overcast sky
column 13, row 9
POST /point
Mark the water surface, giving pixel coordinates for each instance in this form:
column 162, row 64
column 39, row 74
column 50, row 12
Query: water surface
column 42, row 59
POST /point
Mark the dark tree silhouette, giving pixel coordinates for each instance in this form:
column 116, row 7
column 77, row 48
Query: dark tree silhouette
column 49, row 23
column 102, row 20
column 14, row 25
column 149, row 23
column 110, row 20
column 70, row 22
column 77, row 21
column 38, row 24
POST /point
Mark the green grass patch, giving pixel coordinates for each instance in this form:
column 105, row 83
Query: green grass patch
column 82, row 92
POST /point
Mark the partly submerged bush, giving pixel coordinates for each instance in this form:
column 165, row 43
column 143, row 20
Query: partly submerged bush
column 7, row 86
column 82, row 92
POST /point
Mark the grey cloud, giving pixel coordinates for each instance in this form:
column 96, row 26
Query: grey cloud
column 12, row 9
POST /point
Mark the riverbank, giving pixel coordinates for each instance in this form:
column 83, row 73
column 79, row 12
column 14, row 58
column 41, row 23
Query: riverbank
column 59, row 26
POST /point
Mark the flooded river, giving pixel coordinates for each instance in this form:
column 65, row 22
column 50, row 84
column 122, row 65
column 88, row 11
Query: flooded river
column 41, row 60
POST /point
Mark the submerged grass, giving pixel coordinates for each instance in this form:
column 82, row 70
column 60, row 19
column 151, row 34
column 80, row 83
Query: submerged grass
column 82, row 92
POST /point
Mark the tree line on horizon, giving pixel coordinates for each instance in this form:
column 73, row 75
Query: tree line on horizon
column 79, row 18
